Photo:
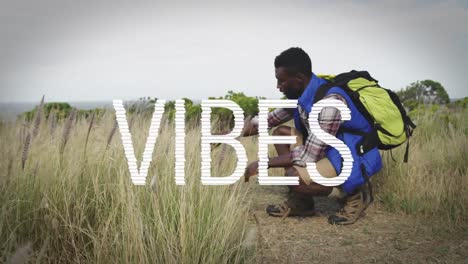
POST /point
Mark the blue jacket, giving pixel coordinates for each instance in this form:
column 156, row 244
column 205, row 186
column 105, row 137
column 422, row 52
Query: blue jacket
column 371, row 160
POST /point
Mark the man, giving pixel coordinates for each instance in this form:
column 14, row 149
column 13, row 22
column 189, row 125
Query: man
column 293, row 70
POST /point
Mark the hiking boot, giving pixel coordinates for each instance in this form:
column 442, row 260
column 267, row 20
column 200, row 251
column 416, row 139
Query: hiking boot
column 296, row 205
column 354, row 208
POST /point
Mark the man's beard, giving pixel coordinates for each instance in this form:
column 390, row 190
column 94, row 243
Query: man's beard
column 291, row 94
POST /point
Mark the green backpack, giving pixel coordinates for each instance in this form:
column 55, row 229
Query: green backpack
column 380, row 106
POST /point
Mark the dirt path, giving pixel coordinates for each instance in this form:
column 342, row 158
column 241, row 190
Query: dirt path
column 379, row 237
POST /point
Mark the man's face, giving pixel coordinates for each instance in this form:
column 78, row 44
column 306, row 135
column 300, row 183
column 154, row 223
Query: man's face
column 291, row 85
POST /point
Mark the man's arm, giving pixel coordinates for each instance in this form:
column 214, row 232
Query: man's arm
column 314, row 149
column 275, row 118
column 279, row 161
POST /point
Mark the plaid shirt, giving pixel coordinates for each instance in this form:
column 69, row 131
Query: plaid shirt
column 313, row 148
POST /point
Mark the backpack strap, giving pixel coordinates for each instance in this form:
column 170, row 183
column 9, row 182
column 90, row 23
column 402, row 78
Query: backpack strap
column 409, row 127
column 368, row 142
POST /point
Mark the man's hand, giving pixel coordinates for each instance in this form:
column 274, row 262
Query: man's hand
column 251, row 170
column 250, row 127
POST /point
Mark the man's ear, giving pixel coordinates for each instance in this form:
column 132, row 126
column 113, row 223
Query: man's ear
column 301, row 78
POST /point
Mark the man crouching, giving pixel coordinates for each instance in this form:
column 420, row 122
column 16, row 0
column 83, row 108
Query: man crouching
column 295, row 79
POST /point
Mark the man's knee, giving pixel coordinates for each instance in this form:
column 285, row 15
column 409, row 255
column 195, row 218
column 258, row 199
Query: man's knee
column 282, row 131
column 291, row 171
column 309, row 189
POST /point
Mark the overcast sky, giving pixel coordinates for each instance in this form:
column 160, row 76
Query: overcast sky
column 104, row 50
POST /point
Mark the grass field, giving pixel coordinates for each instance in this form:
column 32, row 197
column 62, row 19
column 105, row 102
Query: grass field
column 433, row 182
column 74, row 201
column 66, row 194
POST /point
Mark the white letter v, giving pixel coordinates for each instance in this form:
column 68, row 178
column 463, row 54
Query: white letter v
column 138, row 176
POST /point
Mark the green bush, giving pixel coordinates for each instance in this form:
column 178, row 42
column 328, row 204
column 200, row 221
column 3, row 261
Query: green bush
column 61, row 110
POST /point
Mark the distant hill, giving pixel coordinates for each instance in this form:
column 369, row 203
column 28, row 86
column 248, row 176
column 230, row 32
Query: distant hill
column 9, row 111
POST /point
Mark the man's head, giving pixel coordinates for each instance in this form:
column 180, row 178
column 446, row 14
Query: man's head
column 293, row 70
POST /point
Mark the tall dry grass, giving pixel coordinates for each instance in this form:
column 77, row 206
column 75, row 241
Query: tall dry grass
column 71, row 205
column 74, row 201
column 434, row 181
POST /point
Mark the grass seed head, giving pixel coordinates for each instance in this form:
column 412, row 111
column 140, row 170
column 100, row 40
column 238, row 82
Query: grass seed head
column 27, row 144
column 37, row 120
